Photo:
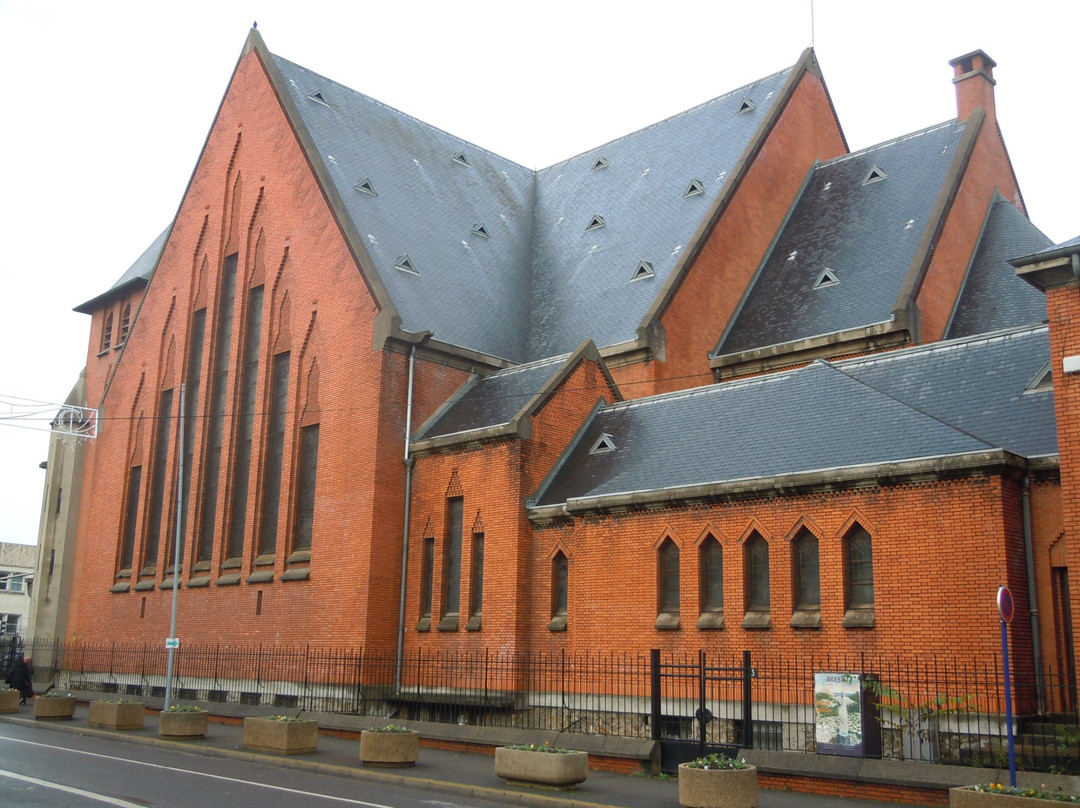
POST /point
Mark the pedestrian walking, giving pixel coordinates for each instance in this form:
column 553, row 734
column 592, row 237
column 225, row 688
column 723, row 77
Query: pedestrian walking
column 21, row 677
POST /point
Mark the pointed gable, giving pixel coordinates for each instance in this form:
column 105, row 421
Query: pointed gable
column 501, row 403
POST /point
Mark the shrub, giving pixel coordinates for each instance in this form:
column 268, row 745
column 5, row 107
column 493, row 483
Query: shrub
column 717, row 760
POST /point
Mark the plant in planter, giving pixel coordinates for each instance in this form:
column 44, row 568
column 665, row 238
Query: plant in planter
column 997, row 795
column 531, row 764
column 117, row 714
column 9, row 700
column 53, row 706
column 182, row 721
column 281, row 734
column 718, row 781
column 389, row 746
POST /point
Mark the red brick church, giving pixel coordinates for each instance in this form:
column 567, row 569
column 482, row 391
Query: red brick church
column 721, row 383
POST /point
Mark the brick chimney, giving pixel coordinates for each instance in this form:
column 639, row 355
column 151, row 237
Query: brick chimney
column 973, row 75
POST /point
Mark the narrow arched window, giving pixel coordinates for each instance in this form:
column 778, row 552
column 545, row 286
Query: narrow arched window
column 106, row 333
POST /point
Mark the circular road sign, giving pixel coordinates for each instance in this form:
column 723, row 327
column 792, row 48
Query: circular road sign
column 1005, row 603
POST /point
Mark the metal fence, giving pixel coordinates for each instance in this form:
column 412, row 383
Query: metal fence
column 931, row 709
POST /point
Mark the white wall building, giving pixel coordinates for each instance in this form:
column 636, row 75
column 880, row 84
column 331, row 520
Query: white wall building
column 17, row 564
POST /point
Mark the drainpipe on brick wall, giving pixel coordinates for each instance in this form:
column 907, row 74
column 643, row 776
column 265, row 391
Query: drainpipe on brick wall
column 409, row 461
column 1033, row 608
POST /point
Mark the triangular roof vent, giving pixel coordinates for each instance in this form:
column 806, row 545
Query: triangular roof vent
column 695, row 187
column 480, row 230
column 405, row 264
column 317, row 97
column 601, row 162
column 746, row 106
column 459, row 157
column 827, row 278
column 1043, row 381
column 644, row 270
column 596, row 222
column 875, row 174
column 365, row 187
column 605, row 443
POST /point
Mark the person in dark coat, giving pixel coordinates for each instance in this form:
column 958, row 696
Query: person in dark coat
column 21, row 677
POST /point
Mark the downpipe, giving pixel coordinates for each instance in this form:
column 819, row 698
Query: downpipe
column 1033, row 603
column 409, row 460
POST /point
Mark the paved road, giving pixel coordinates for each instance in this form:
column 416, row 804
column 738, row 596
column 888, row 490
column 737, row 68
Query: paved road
column 41, row 769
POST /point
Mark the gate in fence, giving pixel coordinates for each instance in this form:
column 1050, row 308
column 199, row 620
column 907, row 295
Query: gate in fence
column 699, row 707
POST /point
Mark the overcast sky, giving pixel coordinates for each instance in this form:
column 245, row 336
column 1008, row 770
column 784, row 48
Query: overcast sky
column 109, row 105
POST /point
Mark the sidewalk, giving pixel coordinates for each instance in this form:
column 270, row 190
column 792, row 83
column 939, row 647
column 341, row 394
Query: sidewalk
column 438, row 770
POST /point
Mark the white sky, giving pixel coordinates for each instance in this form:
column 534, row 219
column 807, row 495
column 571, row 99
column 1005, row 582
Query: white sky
column 108, row 105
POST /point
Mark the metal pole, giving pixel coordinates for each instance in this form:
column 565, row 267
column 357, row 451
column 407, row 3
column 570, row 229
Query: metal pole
column 176, row 548
column 1008, row 701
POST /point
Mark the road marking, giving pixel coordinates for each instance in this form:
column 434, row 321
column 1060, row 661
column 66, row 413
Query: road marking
column 69, row 790
column 344, row 800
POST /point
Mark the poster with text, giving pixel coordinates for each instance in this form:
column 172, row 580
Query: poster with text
column 838, row 720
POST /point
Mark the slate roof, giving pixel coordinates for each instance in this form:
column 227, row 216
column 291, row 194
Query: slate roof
column 993, row 297
column 976, row 385
column 864, row 232
column 952, row 398
column 538, row 283
column 139, row 272
column 494, row 400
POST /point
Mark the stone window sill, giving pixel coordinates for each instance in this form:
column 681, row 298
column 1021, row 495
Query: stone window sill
column 859, row 618
column 711, row 620
column 558, row 623
column 667, row 621
column 757, row 620
column 806, row 618
column 448, row 623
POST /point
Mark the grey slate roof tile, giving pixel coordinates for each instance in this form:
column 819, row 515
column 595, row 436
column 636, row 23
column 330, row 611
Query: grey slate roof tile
column 582, row 280
column 540, row 284
column 866, row 234
column 487, row 401
column 142, row 270
column 993, row 297
column 977, row 385
column 935, row 401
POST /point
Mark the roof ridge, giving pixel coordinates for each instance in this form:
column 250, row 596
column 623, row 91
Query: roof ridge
column 536, row 363
column 940, row 346
column 669, row 118
column 891, row 142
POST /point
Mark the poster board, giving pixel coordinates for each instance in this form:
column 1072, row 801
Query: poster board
column 838, row 714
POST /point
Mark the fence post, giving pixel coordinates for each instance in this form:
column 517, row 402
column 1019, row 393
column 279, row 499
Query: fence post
column 654, row 685
column 701, row 714
column 747, row 702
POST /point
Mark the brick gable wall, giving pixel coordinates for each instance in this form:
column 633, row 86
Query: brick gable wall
column 713, row 287
column 252, row 192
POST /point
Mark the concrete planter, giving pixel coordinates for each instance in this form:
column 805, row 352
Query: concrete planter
column 182, row 725
column 389, row 749
column 557, row 770
column 117, row 714
column 280, row 737
column 964, row 797
column 9, row 701
column 52, row 708
column 718, row 788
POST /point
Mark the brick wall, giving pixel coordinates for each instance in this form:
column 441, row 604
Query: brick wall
column 253, row 193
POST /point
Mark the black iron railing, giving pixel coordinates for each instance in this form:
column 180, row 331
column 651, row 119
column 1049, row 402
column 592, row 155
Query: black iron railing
column 930, row 709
